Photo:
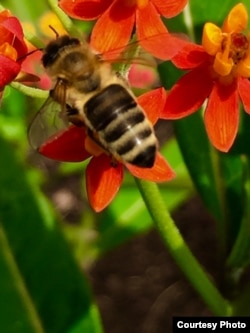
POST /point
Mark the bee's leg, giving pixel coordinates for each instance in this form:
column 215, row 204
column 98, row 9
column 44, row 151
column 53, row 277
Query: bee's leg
column 74, row 116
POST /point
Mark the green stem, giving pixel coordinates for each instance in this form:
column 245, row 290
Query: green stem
column 180, row 251
column 30, row 91
column 222, row 226
column 189, row 22
column 65, row 20
column 34, row 40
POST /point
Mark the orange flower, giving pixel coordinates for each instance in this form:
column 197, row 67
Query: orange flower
column 117, row 19
column 12, row 47
column 103, row 179
column 219, row 70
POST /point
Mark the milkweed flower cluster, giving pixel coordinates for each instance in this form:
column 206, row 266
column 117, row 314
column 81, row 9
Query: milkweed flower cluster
column 217, row 72
column 12, row 48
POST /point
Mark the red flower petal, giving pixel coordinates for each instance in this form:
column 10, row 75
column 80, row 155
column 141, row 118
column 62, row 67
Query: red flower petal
column 84, row 9
column 8, row 70
column 66, row 146
column 12, row 25
column 103, row 181
column 160, row 172
column 154, row 36
column 192, row 55
column 188, row 94
column 114, row 28
column 152, row 103
column 222, row 116
column 244, row 89
column 169, row 8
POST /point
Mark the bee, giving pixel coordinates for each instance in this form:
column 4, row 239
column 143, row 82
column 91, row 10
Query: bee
column 87, row 91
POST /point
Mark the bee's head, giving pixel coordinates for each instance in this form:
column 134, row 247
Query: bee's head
column 54, row 48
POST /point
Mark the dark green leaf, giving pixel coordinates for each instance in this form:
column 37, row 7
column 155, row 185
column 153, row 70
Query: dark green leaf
column 59, row 293
column 240, row 254
column 197, row 153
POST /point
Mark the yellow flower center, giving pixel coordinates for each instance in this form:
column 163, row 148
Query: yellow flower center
column 8, row 51
column 139, row 3
column 229, row 46
column 54, row 22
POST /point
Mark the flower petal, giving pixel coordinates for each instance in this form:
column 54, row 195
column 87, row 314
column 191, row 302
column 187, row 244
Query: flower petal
column 236, row 20
column 66, row 146
column 244, row 89
column 154, row 36
column 222, row 65
column 222, row 115
column 190, row 56
column 102, row 181
column 152, row 103
column 114, row 28
column 160, row 172
column 169, row 8
column 84, row 9
column 188, row 94
column 12, row 25
column 211, row 38
column 8, row 71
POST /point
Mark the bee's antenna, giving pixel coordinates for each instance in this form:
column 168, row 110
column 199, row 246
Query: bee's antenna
column 54, row 30
column 29, row 53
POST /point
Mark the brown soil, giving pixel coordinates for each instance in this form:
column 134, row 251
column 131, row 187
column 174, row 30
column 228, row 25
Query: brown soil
column 139, row 288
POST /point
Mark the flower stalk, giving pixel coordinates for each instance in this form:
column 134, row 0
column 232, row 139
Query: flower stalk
column 180, row 251
column 30, row 91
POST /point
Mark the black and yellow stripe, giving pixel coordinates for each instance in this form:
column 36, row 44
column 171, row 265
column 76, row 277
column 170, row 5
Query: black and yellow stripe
column 121, row 125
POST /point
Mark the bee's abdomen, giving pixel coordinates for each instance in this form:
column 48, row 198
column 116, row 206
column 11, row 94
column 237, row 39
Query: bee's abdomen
column 122, row 127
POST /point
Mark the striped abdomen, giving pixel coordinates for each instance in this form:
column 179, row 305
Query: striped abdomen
column 122, row 128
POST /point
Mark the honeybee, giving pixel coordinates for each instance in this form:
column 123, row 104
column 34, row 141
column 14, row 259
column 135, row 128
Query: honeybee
column 87, row 91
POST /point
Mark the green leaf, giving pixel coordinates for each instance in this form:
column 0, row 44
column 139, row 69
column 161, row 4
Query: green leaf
column 57, row 290
column 198, row 156
column 240, row 254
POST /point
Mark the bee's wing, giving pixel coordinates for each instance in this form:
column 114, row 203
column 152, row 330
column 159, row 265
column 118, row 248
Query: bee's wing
column 50, row 119
column 131, row 53
column 134, row 52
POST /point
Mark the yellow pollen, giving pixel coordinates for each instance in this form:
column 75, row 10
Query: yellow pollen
column 8, row 51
